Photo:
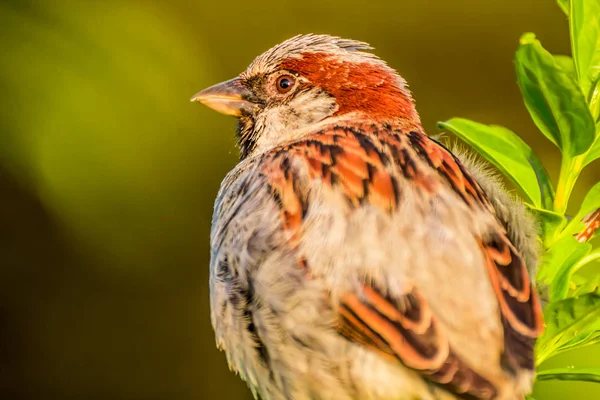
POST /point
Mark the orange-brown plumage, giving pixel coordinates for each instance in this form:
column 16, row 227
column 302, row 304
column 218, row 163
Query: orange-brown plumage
column 381, row 94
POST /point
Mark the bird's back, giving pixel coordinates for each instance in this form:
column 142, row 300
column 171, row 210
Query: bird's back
column 364, row 261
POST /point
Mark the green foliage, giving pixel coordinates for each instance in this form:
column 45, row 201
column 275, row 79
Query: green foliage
column 560, row 258
column 585, row 44
column 585, row 286
column 582, row 374
column 591, row 201
column 570, row 323
column 562, row 95
column 510, row 154
column 594, row 152
column 564, row 5
column 576, row 255
column 553, row 98
column 551, row 224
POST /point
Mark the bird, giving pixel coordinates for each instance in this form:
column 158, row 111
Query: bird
column 352, row 255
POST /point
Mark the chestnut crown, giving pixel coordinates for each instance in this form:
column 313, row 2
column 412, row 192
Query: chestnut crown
column 307, row 81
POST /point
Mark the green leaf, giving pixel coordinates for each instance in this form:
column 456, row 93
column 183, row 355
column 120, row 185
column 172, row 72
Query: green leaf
column 567, row 321
column 570, row 374
column 564, row 5
column 580, row 340
column 510, row 154
column 591, row 201
column 550, row 222
column 588, row 286
column 585, row 41
column 562, row 254
column 594, row 152
column 572, row 262
column 553, row 98
column 565, row 63
column 594, row 103
column 586, row 338
column 594, row 255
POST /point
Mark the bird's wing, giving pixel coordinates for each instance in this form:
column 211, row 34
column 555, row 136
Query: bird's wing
column 374, row 172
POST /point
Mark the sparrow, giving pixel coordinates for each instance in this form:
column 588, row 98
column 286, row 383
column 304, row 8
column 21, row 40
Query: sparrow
column 355, row 257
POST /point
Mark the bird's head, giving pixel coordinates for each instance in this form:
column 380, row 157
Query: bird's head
column 307, row 80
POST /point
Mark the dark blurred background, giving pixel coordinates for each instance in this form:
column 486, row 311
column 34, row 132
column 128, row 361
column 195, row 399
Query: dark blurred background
column 108, row 172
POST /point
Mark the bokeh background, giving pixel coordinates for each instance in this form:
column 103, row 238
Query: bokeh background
column 108, row 172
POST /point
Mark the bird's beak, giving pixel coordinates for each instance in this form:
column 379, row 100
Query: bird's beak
column 229, row 98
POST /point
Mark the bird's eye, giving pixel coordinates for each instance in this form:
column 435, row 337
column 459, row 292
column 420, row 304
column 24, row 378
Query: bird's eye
column 285, row 83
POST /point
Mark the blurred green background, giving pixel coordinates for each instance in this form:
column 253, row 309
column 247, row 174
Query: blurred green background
column 108, row 172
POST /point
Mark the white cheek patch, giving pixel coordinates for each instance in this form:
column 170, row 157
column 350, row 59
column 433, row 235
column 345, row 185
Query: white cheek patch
column 286, row 122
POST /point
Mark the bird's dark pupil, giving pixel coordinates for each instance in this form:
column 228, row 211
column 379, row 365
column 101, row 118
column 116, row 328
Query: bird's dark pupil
column 284, row 83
